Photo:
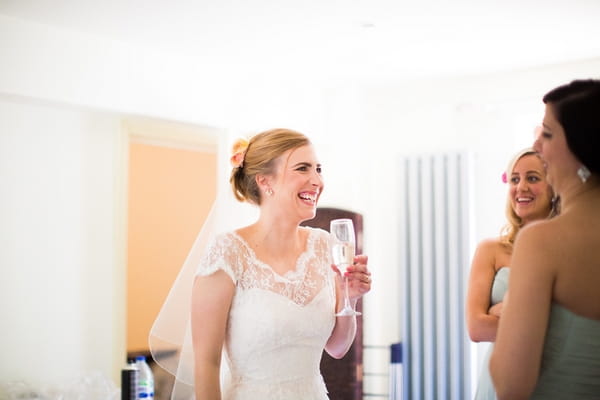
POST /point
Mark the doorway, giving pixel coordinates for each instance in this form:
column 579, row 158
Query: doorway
column 171, row 185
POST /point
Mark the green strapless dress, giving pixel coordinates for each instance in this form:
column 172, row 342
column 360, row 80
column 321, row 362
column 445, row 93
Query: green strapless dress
column 485, row 387
column 571, row 358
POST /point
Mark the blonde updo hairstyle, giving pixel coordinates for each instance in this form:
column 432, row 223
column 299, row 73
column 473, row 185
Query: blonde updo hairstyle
column 260, row 159
column 514, row 222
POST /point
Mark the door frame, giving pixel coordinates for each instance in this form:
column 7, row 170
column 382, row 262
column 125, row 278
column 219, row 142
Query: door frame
column 157, row 132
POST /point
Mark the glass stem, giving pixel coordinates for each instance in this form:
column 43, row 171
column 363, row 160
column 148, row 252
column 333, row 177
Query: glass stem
column 346, row 295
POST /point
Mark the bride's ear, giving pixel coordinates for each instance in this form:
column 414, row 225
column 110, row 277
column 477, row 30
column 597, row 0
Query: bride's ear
column 264, row 183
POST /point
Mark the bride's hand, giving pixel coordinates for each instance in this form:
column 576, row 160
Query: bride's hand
column 359, row 277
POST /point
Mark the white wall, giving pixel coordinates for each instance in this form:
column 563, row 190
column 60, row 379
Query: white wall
column 61, row 173
column 61, row 292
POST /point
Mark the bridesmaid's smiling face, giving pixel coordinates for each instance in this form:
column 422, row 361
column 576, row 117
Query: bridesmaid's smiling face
column 529, row 191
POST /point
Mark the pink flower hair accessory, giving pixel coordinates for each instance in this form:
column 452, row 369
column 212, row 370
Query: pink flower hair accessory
column 238, row 152
column 504, row 179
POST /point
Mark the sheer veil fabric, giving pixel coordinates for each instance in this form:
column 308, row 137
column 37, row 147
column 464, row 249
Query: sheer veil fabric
column 170, row 337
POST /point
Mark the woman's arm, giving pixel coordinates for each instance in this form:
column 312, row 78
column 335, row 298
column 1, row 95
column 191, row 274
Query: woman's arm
column 359, row 280
column 482, row 325
column 516, row 358
column 211, row 300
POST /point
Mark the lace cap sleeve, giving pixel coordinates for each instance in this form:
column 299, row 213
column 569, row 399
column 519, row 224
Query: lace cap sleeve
column 221, row 254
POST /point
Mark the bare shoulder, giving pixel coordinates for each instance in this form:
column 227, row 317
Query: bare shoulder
column 490, row 255
column 546, row 232
column 540, row 244
column 490, row 247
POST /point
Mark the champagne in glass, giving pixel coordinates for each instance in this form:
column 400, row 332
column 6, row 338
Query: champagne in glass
column 343, row 255
column 342, row 252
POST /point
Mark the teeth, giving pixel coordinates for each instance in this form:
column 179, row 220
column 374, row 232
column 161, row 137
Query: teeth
column 520, row 199
column 306, row 196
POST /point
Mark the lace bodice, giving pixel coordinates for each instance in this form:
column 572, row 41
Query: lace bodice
column 278, row 324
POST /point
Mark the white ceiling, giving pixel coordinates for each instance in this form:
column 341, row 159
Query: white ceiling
column 351, row 39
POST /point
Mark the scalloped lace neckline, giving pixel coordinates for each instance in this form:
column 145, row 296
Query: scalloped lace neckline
column 300, row 265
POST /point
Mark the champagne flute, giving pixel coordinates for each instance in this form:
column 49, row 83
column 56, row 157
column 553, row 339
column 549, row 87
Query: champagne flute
column 342, row 251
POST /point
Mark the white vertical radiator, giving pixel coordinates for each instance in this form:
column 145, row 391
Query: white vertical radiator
column 434, row 262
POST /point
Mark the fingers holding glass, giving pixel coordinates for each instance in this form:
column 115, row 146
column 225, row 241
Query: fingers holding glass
column 359, row 279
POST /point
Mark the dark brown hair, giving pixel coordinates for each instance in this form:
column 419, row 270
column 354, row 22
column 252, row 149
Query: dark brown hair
column 577, row 109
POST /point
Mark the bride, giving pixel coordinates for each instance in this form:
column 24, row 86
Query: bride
column 264, row 296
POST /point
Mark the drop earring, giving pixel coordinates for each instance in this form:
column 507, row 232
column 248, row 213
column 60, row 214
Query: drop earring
column 583, row 173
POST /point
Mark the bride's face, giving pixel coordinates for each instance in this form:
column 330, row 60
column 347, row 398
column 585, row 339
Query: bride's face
column 298, row 183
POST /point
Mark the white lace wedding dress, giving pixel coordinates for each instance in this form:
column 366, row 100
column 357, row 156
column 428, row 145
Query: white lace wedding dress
column 278, row 325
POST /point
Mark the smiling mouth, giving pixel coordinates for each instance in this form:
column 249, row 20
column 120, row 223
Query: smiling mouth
column 310, row 197
column 524, row 200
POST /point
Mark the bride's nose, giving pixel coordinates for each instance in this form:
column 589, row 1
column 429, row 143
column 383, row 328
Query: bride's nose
column 316, row 179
